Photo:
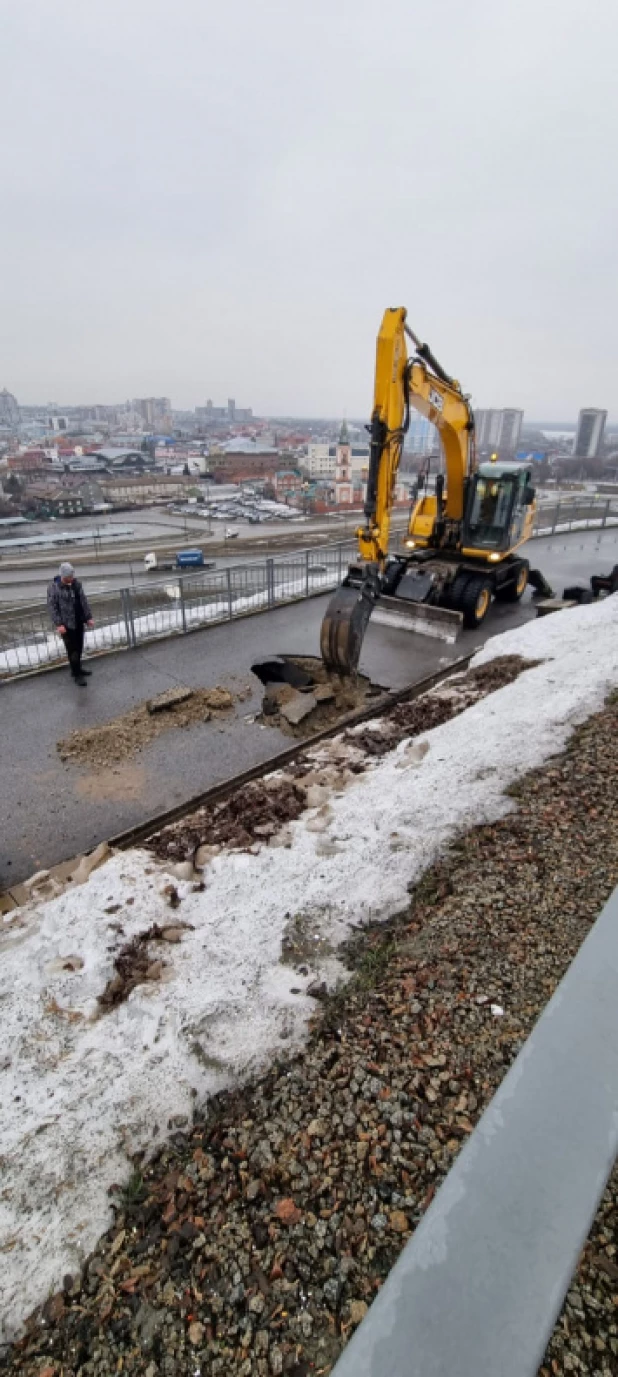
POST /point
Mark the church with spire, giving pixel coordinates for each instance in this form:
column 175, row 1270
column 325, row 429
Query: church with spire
column 344, row 482
column 343, row 467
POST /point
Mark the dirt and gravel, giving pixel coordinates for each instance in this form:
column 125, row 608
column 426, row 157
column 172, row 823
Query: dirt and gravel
column 254, row 1243
column 349, row 694
column 259, row 810
column 136, row 961
column 110, row 743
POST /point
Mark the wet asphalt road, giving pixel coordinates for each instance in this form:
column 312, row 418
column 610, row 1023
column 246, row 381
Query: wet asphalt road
column 50, row 811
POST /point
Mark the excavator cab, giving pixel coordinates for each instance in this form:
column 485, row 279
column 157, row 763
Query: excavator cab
column 499, row 508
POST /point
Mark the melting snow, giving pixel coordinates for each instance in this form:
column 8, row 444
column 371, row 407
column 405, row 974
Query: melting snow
column 81, row 1090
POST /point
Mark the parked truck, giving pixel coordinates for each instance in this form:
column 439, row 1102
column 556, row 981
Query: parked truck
column 183, row 559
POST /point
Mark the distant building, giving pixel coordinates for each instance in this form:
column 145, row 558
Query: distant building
column 590, row 432
column 498, row 429
column 143, row 490
column 115, row 458
column 154, row 412
column 234, row 466
column 54, row 500
column 30, row 461
column 512, row 422
column 344, row 481
column 351, row 472
column 322, row 459
column 288, row 485
column 209, row 414
column 422, row 437
column 9, row 411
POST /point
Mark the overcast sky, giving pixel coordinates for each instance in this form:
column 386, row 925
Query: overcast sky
column 204, row 199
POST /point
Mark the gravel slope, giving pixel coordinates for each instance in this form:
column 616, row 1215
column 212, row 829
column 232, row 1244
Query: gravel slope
column 257, row 1239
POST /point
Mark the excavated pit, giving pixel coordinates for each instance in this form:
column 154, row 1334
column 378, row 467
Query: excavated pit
column 302, row 696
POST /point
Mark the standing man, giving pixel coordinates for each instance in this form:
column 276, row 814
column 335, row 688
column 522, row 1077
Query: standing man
column 69, row 610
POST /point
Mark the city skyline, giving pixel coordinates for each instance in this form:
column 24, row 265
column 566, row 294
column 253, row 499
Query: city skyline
column 247, row 415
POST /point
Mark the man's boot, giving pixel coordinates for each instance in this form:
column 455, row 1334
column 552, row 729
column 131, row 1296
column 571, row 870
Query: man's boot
column 76, row 671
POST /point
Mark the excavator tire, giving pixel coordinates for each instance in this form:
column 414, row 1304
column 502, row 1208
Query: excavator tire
column 475, row 601
column 516, row 587
column 458, row 588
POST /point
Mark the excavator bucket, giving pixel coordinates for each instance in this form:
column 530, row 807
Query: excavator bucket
column 344, row 625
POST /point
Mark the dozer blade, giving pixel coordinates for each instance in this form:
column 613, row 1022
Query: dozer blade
column 423, row 617
column 344, row 625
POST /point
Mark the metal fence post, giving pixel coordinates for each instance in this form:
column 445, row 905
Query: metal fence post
column 556, row 517
column 270, row 581
column 127, row 609
column 606, row 512
column 340, row 564
column 228, row 576
column 306, row 573
column 183, row 610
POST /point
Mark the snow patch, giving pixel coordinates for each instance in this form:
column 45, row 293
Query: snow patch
column 81, row 1090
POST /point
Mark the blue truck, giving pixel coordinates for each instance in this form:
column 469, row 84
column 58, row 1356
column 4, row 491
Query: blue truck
column 183, row 559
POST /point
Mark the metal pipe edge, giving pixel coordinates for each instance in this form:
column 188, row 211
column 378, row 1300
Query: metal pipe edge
column 480, row 1284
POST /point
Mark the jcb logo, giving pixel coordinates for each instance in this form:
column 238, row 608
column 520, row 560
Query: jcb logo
column 436, row 400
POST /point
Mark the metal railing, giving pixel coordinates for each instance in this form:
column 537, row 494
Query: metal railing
column 182, row 601
column 479, row 1287
column 575, row 514
column 173, row 604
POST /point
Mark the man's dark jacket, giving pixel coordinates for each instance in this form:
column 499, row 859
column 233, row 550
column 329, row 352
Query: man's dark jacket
column 67, row 603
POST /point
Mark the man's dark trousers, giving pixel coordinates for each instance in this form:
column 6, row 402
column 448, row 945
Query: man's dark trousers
column 74, row 646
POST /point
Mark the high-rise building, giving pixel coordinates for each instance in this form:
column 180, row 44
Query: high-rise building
column 154, row 411
column 9, row 411
column 511, row 430
column 498, row 429
column 422, row 437
column 207, row 415
column 590, row 432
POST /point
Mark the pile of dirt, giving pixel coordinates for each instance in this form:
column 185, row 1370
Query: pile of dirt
column 252, row 814
column 499, row 672
column 347, row 694
column 110, row 743
column 135, row 964
column 439, row 705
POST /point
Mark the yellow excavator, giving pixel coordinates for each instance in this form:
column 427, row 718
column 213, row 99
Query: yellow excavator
column 461, row 540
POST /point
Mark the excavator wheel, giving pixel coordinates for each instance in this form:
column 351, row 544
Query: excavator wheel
column 515, row 589
column 475, row 601
column 458, row 588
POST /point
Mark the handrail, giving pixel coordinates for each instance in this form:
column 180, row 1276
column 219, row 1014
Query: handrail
column 478, row 1288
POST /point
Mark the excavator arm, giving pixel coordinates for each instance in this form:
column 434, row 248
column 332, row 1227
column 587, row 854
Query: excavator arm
column 400, row 383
